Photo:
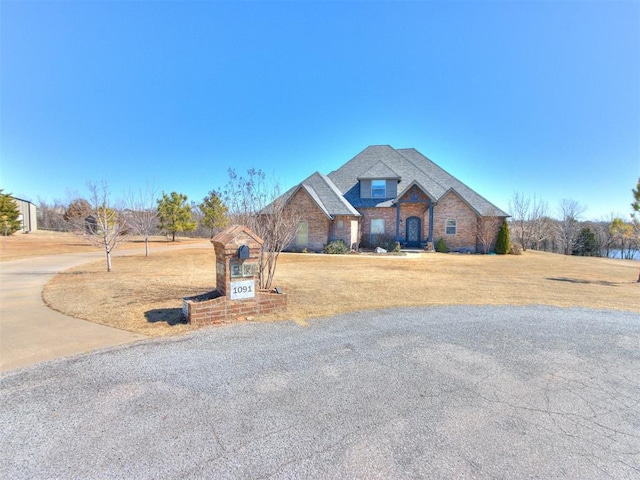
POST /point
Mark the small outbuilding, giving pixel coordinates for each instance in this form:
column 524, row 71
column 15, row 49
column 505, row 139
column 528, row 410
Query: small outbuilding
column 28, row 215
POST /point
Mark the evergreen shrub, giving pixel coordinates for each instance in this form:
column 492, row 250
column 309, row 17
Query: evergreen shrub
column 503, row 242
column 336, row 247
column 392, row 246
column 441, row 246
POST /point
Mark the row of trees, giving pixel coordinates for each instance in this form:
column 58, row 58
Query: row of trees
column 105, row 223
column 533, row 227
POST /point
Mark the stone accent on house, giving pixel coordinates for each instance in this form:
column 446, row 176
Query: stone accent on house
column 452, row 206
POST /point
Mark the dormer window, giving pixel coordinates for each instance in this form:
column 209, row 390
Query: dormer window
column 378, row 188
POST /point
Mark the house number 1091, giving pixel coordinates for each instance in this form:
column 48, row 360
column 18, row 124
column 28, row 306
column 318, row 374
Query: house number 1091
column 243, row 289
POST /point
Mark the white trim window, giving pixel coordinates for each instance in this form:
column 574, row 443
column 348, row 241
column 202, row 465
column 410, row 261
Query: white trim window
column 451, row 226
column 378, row 188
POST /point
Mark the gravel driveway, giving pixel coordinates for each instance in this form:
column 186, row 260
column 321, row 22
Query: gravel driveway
column 444, row 392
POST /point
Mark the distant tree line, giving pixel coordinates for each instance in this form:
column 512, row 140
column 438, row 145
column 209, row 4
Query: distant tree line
column 146, row 214
column 104, row 222
column 535, row 226
column 250, row 200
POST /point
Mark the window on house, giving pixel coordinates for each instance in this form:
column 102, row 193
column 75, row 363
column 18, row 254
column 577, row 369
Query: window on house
column 378, row 188
column 302, row 234
column 377, row 229
column 340, row 224
column 451, row 226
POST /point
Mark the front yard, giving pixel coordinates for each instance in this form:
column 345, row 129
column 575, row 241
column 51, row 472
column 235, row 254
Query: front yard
column 144, row 294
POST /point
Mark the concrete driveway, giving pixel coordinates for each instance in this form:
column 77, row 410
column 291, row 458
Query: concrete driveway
column 445, row 392
column 30, row 332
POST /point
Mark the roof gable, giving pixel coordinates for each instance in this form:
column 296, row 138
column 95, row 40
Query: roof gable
column 347, row 175
column 379, row 171
column 325, row 194
column 448, row 182
column 339, row 192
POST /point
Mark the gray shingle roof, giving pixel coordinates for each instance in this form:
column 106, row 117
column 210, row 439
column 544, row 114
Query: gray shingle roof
column 326, row 195
column 447, row 181
column 379, row 171
column 412, row 168
column 339, row 192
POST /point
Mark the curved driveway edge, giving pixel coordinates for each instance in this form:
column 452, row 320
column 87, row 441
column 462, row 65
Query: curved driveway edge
column 440, row 392
column 31, row 332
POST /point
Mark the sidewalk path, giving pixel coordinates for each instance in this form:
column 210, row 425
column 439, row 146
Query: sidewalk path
column 31, row 332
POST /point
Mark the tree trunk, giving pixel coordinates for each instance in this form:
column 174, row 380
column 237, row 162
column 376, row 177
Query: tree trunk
column 146, row 246
column 174, row 237
column 108, row 261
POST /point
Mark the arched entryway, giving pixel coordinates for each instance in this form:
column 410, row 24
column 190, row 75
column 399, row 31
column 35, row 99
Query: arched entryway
column 413, row 235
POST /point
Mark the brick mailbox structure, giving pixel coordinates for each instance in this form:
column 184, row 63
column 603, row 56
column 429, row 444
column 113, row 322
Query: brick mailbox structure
column 238, row 294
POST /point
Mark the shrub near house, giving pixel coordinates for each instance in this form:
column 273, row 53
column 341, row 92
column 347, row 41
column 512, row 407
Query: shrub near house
column 386, row 195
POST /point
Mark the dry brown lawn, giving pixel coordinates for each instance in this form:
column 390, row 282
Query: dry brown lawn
column 40, row 242
column 17, row 246
column 145, row 294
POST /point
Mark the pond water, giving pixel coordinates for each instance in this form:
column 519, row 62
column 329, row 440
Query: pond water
column 618, row 254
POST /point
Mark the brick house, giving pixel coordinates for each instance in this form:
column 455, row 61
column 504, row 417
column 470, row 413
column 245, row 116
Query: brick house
column 385, row 194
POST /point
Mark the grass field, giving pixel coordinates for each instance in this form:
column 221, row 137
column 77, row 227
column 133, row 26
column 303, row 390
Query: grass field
column 145, row 294
column 41, row 242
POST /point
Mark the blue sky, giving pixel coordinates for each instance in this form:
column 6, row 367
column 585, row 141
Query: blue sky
column 538, row 97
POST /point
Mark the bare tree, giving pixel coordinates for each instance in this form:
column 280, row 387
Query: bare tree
column 520, row 208
column 257, row 203
column 635, row 216
column 568, row 226
column 604, row 236
column 542, row 232
column 51, row 216
column 528, row 222
column 104, row 226
column 142, row 214
column 487, row 230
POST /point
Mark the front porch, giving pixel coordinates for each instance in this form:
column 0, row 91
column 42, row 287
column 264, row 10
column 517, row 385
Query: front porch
column 414, row 219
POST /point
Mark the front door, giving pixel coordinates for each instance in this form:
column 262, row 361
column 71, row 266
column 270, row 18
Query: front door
column 413, row 232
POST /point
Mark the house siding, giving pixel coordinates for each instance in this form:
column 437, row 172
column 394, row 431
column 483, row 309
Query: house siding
column 452, row 206
column 365, row 188
column 391, row 188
